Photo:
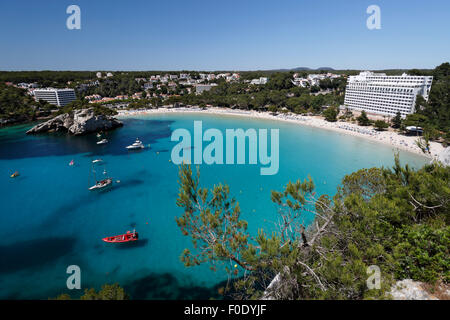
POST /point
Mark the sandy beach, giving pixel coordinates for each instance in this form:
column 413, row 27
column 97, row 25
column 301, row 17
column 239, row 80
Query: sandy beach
column 393, row 139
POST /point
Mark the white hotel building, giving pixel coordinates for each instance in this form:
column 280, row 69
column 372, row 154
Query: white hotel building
column 378, row 93
column 58, row 97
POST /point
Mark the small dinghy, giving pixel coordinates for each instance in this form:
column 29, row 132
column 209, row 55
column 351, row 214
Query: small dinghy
column 127, row 237
column 103, row 141
column 15, row 174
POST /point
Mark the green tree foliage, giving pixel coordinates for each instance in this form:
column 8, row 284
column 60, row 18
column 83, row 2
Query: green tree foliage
column 437, row 110
column 46, row 78
column 16, row 105
column 416, row 119
column 272, row 108
column 380, row 125
column 363, row 120
column 107, row 292
column 396, row 122
column 278, row 92
column 99, row 109
column 212, row 219
column 280, row 81
column 347, row 115
column 424, row 143
column 120, row 84
column 422, row 253
column 394, row 218
column 331, row 114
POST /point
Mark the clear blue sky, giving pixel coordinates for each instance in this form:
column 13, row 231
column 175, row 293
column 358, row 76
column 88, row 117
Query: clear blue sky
column 223, row 35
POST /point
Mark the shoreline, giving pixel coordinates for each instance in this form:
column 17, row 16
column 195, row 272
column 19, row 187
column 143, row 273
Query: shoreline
column 393, row 139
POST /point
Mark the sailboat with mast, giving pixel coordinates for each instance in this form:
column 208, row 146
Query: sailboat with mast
column 100, row 184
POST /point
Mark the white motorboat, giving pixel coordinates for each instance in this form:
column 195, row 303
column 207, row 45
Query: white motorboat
column 103, row 141
column 136, row 145
column 97, row 160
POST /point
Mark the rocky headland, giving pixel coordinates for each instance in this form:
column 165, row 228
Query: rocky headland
column 77, row 122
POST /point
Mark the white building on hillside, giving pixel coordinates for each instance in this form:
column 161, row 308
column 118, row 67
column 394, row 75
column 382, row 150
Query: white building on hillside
column 301, row 82
column 262, row 80
column 199, row 88
column 381, row 94
column 314, row 79
column 58, row 97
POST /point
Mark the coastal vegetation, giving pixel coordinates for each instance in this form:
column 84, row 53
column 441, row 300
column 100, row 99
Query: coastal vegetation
column 434, row 115
column 98, row 108
column 17, row 106
column 363, row 120
column 380, row 125
column 56, row 79
column 393, row 218
column 107, row 292
column 436, row 111
column 396, row 122
column 120, row 84
column 331, row 114
column 279, row 93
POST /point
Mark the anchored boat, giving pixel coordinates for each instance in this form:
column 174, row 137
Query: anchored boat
column 127, row 237
column 100, row 184
column 103, row 141
column 15, row 174
column 136, row 145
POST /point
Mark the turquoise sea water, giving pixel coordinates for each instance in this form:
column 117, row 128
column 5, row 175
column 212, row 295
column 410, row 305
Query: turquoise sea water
column 49, row 220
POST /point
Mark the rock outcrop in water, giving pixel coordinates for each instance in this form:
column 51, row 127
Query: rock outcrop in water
column 77, row 122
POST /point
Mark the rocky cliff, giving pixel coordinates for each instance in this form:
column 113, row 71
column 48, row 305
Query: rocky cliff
column 77, row 122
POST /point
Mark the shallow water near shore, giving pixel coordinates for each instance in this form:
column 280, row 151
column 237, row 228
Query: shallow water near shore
column 49, row 220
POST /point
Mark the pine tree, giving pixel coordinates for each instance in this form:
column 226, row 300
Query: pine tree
column 363, row 120
column 397, row 121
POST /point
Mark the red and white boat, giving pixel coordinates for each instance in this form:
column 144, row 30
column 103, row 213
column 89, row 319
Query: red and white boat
column 127, row 237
